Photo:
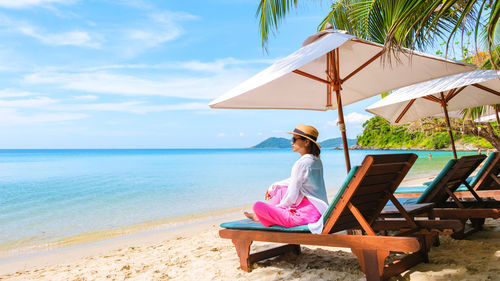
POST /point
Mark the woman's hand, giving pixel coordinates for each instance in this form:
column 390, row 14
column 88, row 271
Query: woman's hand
column 267, row 196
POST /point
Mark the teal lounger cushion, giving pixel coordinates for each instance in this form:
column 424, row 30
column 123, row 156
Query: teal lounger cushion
column 411, row 189
column 248, row 224
column 460, row 188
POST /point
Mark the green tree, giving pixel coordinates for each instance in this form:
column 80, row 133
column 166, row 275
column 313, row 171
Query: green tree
column 397, row 23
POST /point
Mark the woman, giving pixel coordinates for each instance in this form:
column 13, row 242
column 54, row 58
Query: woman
column 300, row 199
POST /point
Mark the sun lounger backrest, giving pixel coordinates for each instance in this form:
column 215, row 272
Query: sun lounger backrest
column 491, row 167
column 367, row 188
column 454, row 175
column 489, row 161
column 437, row 181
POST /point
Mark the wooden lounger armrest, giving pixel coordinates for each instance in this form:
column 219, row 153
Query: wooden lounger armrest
column 452, row 213
column 440, row 225
column 391, row 243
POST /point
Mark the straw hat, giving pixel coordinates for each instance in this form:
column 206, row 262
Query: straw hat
column 306, row 131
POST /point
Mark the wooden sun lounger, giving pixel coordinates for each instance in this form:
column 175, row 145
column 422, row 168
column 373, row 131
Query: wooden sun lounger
column 357, row 205
column 443, row 189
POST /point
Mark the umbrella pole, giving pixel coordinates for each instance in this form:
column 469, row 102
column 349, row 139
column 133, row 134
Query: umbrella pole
column 342, row 131
column 334, row 74
column 448, row 126
column 496, row 115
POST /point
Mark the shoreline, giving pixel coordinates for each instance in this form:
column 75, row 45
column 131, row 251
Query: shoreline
column 94, row 243
column 8, row 254
column 157, row 232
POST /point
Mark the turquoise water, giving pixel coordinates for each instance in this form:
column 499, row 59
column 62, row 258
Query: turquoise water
column 47, row 195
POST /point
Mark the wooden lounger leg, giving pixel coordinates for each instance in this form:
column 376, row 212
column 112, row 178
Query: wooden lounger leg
column 427, row 240
column 243, row 250
column 372, row 262
column 246, row 259
column 459, row 235
column 477, row 223
column 435, row 241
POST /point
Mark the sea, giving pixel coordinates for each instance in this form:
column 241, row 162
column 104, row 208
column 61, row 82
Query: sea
column 48, row 196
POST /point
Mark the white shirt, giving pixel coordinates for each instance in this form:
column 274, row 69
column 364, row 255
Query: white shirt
column 306, row 180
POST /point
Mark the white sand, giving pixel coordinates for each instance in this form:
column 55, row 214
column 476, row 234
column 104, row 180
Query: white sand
column 195, row 252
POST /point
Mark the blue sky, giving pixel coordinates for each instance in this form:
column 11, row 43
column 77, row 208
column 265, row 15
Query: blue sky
column 139, row 74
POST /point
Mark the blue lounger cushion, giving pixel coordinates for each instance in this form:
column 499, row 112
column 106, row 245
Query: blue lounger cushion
column 248, row 224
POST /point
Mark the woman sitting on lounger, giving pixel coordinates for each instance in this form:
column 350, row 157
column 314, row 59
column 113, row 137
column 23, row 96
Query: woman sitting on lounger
column 300, row 199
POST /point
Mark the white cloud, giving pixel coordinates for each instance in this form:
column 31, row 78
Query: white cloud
column 86, row 98
column 28, row 103
column 140, row 107
column 12, row 117
column 131, row 107
column 187, row 86
column 72, row 38
column 68, row 38
column 220, row 135
column 259, row 134
column 218, row 65
column 242, row 134
column 157, row 29
column 12, row 93
column 17, row 4
column 352, row 118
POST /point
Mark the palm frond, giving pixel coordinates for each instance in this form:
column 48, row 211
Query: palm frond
column 270, row 14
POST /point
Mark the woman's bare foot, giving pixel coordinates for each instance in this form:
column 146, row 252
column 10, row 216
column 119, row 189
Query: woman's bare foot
column 251, row 216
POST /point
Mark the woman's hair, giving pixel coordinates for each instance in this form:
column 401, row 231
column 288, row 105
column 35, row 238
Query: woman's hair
column 313, row 149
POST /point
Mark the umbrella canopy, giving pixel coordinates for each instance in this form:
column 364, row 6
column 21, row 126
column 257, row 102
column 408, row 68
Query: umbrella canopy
column 333, row 62
column 487, row 118
column 284, row 85
column 470, row 89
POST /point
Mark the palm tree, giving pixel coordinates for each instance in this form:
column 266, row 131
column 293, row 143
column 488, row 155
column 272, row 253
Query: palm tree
column 397, row 23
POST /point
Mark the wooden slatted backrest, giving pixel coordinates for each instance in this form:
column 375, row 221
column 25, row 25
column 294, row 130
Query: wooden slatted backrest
column 486, row 181
column 368, row 190
column 436, row 192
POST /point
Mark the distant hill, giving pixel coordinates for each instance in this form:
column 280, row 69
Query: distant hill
column 273, row 143
column 336, row 142
column 285, row 143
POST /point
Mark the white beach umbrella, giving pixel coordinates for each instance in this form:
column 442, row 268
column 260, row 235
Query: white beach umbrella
column 455, row 92
column 333, row 62
column 487, row 118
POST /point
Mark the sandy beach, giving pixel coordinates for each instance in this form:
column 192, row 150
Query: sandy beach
column 192, row 250
column 195, row 252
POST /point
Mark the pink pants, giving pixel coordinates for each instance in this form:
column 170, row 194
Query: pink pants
column 269, row 214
